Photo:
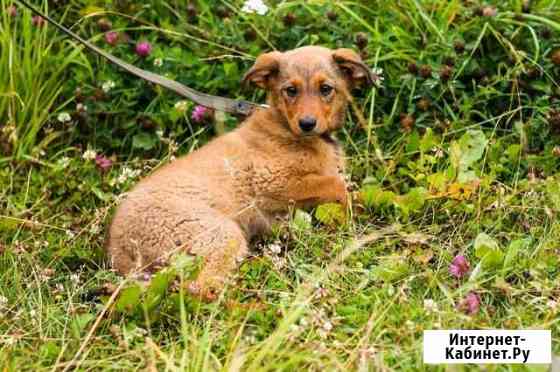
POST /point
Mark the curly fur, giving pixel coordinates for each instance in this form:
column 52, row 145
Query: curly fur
column 211, row 202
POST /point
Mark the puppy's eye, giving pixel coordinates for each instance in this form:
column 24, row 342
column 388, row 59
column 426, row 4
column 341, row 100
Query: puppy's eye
column 325, row 89
column 291, row 91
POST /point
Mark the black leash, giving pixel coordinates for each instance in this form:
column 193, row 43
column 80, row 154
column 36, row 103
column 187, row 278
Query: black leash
column 214, row 102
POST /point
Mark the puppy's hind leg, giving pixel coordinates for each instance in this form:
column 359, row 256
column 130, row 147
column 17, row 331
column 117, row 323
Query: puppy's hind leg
column 223, row 246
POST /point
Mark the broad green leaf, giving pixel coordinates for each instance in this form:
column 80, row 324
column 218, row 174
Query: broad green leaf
column 331, row 214
column 512, row 252
column 174, row 114
column 302, row 220
column 129, row 299
column 375, row 197
column 413, row 201
column 483, row 243
column 100, row 194
column 186, row 264
column 158, row 287
column 428, row 141
column 413, row 142
column 369, row 194
column 144, row 141
column 488, row 250
column 513, row 151
column 79, row 322
column 467, row 151
column 391, row 269
column 49, row 349
column 543, row 86
column 492, row 259
column 231, row 70
column 466, row 176
column 437, row 181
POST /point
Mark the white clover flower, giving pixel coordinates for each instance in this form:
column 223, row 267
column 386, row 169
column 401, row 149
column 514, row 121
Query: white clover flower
column 181, row 106
column 141, row 331
column 108, row 85
column 327, row 326
column 173, row 147
column 368, row 353
column 121, row 179
column 9, row 340
column 89, row 154
column 64, row 162
column 127, row 174
column 438, row 153
column 46, row 274
column 321, row 292
column 430, row 305
column 75, row 278
column 278, row 262
column 377, row 76
column 64, row 117
column 553, row 305
column 274, row 248
column 377, row 71
column 81, row 107
column 158, row 62
column 254, row 6
column 9, row 130
column 295, row 328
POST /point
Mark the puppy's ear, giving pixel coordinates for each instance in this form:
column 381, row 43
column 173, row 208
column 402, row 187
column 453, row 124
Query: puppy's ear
column 353, row 68
column 264, row 68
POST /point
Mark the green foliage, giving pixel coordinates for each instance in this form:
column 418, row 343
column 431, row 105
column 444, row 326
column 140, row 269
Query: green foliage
column 378, row 199
column 331, row 214
column 34, row 66
column 466, row 152
column 391, row 268
column 553, row 193
column 146, row 299
column 488, row 251
column 301, row 220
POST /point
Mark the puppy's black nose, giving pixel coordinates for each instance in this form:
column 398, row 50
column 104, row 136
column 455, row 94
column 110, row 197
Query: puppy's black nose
column 307, row 123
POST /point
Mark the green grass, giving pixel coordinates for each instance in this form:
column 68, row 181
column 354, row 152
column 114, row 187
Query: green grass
column 435, row 162
column 32, row 67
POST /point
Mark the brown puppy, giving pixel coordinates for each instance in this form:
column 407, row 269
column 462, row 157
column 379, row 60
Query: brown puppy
column 213, row 201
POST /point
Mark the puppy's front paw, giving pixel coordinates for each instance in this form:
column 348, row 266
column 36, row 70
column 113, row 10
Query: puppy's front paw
column 340, row 192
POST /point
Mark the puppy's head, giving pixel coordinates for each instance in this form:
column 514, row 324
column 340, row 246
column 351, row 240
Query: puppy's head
column 310, row 86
